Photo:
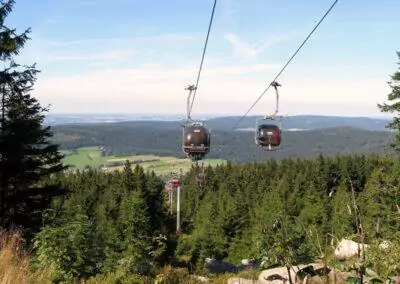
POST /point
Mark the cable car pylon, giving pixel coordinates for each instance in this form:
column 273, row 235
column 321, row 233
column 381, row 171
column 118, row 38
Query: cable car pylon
column 174, row 183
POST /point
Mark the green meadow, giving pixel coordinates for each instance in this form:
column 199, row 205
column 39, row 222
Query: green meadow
column 91, row 156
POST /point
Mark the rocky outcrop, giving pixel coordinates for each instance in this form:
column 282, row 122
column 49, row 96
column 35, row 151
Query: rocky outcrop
column 248, row 264
column 278, row 275
column 297, row 273
column 201, row 278
column 347, row 249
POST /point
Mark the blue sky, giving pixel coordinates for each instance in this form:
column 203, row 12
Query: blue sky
column 130, row 56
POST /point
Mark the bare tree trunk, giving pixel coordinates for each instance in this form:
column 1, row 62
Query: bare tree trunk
column 289, row 274
column 360, row 233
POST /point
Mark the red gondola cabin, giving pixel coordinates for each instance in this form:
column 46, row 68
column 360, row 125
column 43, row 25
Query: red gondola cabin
column 268, row 135
column 175, row 183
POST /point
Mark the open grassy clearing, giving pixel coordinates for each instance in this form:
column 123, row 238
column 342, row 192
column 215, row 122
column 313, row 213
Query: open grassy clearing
column 86, row 156
column 165, row 165
column 91, row 156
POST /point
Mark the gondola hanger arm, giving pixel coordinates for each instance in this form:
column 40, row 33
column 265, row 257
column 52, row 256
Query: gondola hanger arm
column 193, row 88
column 189, row 102
column 272, row 116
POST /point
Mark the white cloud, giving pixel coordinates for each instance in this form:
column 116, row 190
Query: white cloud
column 103, row 51
column 243, row 48
column 223, row 90
column 154, row 86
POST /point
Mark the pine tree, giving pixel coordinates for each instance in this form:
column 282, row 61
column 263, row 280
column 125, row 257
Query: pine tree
column 26, row 155
column 394, row 97
column 136, row 230
column 342, row 215
column 380, row 201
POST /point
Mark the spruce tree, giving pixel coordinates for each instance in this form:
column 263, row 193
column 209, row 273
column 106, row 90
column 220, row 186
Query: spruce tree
column 26, row 155
column 394, row 107
column 136, row 230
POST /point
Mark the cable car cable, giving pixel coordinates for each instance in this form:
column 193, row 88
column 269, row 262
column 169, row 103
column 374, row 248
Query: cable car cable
column 202, row 59
column 287, row 63
column 195, row 135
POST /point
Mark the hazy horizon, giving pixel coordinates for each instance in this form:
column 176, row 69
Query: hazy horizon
column 183, row 115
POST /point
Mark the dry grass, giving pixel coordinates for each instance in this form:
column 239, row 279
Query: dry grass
column 14, row 262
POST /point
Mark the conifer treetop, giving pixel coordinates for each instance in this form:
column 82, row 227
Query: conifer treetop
column 10, row 42
column 393, row 106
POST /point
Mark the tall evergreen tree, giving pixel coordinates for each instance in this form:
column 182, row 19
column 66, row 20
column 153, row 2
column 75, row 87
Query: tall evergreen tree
column 394, row 107
column 26, row 155
column 136, row 230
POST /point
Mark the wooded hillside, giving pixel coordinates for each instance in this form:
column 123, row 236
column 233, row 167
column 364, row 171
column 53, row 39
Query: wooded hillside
column 163, row 138
column 121, row 222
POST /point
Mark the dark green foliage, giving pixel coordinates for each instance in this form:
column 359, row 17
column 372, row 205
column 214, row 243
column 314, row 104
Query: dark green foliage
column 69, row 247
column 11, row 43
column 26, row 155
column 279, row 213
column 381, row 200
column 125, row 223
column 235, row 215
column 394, row 106
column 135, row 232
column 342, row 217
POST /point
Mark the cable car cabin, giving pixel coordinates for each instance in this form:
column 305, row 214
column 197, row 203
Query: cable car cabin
column 268, row 135
column 196, row 141
column 175, row 183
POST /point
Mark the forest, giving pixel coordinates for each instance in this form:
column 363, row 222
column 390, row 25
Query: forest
column 120, row 224
column 239, row 220
column 163, row 139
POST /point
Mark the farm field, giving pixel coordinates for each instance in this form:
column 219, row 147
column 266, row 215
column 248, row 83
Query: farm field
column 91, row 156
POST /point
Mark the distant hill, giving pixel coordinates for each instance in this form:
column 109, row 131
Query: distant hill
column 301, row 122
column 163, row 138
column 298, row 122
